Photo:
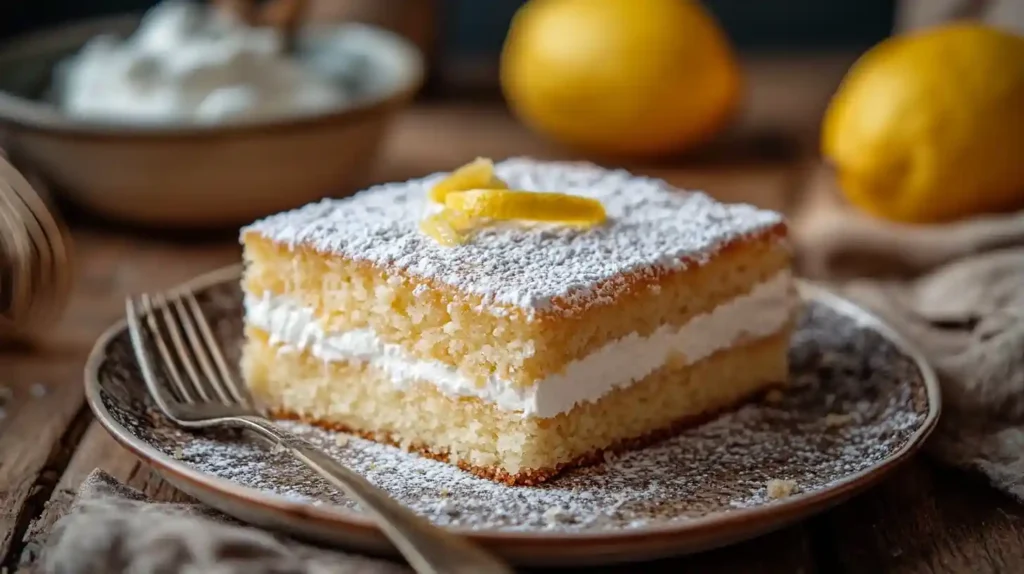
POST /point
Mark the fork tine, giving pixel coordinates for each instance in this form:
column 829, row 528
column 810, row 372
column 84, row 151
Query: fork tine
column 160, row 394
column 149, row 312
column 184, row 353
column 229, row 381
column 200, row 349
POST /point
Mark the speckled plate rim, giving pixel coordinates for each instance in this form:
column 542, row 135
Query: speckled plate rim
column 340, row 526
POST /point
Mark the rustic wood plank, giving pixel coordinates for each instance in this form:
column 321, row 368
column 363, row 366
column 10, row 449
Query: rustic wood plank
column 37, row 432
column 96, row 450
column 927, row 519
column 110, row 267
column 36, row 435
column 784, row 552
column 790, row 94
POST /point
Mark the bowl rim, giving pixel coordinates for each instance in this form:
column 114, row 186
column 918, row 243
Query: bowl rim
column 25, row 114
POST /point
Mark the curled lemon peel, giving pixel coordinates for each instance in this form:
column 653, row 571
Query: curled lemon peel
column 508, row 204
column 447, row 227
column 476, row 174
column 473, row 193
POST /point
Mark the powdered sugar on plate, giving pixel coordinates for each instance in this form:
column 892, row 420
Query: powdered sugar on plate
column 855, row 400
column 651, row 227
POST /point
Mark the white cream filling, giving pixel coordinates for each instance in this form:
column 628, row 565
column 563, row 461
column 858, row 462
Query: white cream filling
column 762, row 312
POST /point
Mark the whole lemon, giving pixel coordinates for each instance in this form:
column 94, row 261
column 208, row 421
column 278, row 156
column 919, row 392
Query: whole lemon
column 929, row 127
column 620, row 77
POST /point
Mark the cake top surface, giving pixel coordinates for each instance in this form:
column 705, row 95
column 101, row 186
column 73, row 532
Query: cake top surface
column 651, row 226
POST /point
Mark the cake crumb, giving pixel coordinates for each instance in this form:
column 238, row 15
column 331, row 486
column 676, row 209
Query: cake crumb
column 447, row 507
column 774, row 397
column 38, row 390
column 557, row 515
column 444, row 492
column 179, row 453
column 341, row 440
column 780, row 488
column 834, row 420
column 278, row 448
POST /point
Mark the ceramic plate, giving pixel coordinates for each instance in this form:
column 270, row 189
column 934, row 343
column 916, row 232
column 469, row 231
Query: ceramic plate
column 860, row 402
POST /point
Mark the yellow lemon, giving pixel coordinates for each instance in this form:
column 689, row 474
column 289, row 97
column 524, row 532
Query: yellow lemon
column 929, row 126
column 620, row 77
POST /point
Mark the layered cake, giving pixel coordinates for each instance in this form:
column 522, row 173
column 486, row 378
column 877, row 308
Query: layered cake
column 601, row 314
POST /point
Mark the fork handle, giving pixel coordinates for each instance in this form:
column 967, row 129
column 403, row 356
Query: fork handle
column 427, row 548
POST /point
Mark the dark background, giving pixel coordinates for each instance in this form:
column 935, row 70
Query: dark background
column 477, row 27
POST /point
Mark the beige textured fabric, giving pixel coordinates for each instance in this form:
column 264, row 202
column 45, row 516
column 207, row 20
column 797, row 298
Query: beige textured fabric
column 957, row 292
column 918, row 14
column 114, row 529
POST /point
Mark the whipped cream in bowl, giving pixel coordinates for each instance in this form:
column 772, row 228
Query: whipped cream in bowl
column 187, row 119
column 192, row 63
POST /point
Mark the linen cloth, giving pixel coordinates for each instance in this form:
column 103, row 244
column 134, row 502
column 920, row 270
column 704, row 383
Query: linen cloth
column 956, row 291
column 114, row 529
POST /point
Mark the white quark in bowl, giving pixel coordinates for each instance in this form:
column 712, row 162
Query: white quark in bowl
column 190, row 63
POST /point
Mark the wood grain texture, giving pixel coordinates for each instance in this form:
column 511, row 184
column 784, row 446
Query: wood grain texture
column 45, row 415
column 37, row 435
column 97, row 449
column 927, row 519
column 785, row 552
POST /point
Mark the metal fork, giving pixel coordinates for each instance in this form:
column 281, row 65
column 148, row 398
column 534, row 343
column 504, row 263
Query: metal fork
column 203, row 393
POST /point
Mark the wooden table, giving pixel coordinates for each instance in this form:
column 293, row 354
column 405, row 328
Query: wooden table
column 924, row 519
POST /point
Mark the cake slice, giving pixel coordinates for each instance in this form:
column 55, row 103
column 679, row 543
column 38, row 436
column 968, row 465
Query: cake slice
column 528, row 348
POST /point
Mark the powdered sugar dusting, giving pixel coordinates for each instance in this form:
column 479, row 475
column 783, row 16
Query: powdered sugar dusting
column 838, row 366
column 652, row 227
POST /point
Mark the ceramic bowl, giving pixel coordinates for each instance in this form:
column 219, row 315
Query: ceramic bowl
column 203, row 175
